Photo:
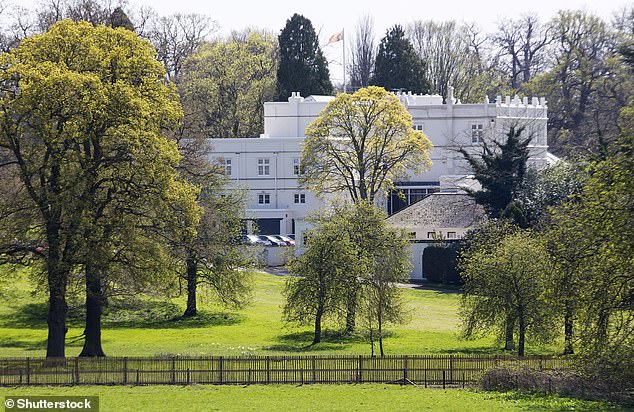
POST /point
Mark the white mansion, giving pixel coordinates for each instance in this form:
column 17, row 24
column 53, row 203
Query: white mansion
column 268, row 166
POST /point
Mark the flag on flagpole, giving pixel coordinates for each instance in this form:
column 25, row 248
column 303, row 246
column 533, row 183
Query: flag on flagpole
column 336, row 37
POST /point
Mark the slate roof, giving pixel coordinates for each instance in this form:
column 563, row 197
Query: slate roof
column 440, row 210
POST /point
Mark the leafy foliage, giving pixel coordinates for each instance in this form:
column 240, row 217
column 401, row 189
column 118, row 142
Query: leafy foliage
column 83, row 112
column 224, row 86
column 594, row 237
column 352, row 257
column 505, row 288
column 361, row 143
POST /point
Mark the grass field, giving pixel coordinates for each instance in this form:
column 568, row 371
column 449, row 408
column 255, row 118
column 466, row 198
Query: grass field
column 135, row 327
column 347, row 398
column 147, row 327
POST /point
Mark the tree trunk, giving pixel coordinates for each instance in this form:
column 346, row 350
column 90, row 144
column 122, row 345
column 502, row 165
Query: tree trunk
column 57, row 278
column 380, row 327
column 56, row 319
column 508, row 333
column 318, row 316
column 95, row 302
column 192, row 279
column 522, row 336
column 351, row 312
column 568, row 330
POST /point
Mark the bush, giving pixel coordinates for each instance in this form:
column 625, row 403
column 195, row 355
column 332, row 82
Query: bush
column 562, row 382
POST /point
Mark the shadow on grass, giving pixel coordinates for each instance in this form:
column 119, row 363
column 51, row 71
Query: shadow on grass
column 33, row 316
column 131, row 313
column 35, row 344
column 442, row 288
column 331, row 340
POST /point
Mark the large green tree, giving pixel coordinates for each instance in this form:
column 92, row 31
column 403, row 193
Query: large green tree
column 83, row 111
column 593, row 238
column 353, row 261
column 321, row 277
column 360, row 144
column 224, row 86
column 397, row 66
column 505, row 287
column 213, row 259
column 302, row 67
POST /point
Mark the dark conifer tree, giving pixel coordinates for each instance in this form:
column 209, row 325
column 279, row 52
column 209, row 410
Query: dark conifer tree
column 397, row 65
column 501, row 170
column 303, row 67
column 118, row 18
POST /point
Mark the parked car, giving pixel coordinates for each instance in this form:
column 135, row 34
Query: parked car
column 255, row 240
column 274, row 241
column 286, row 239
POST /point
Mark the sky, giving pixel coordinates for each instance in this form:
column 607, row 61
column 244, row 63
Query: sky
column 331, row 16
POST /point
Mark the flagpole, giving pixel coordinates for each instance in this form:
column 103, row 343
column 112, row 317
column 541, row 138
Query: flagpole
column 343, row 35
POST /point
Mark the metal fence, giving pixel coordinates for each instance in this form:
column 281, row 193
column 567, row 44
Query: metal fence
column 433, row 370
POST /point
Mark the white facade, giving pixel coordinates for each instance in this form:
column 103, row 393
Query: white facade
column 268, row 166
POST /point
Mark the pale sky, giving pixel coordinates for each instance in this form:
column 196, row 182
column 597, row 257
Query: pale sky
column 331, row 16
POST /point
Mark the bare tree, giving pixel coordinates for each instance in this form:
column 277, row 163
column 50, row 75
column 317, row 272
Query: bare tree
column 522, row 45
column 177, row 37
column 447, row 50
column 362, row 53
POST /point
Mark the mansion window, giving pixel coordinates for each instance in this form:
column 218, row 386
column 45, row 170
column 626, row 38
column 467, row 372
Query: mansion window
column 296, row 169
column 264, row 167
column 451, row 235
column 418, row 127
column 477, row 133
column 264, row 199
column 227, row 166
column 300, row 198
column 431, row 235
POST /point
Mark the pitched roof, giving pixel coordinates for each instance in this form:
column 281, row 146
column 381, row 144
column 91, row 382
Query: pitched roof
column 450, row 210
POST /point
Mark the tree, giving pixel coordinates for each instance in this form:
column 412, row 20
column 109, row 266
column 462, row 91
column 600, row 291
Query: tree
column 177, row 37
column 397, row 66
column 385, row 250
column 449, row 59
column 594, row 236
column 361, row 143
column 321, row 277
column 83, row 127
column 214, row 258
column 224, row 86
column 500, row 170
column 586, row 87
column 362, row 54
column 505, row 285
column 549, row 187
column 353, row 260
column 118, row 18
column 302, row 67
column 523, row 48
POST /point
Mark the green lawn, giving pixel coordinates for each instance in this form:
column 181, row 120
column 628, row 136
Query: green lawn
column 347, row 398
column 135, row 327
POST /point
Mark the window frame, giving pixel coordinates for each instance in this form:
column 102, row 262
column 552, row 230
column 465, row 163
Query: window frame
column 264, row 166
